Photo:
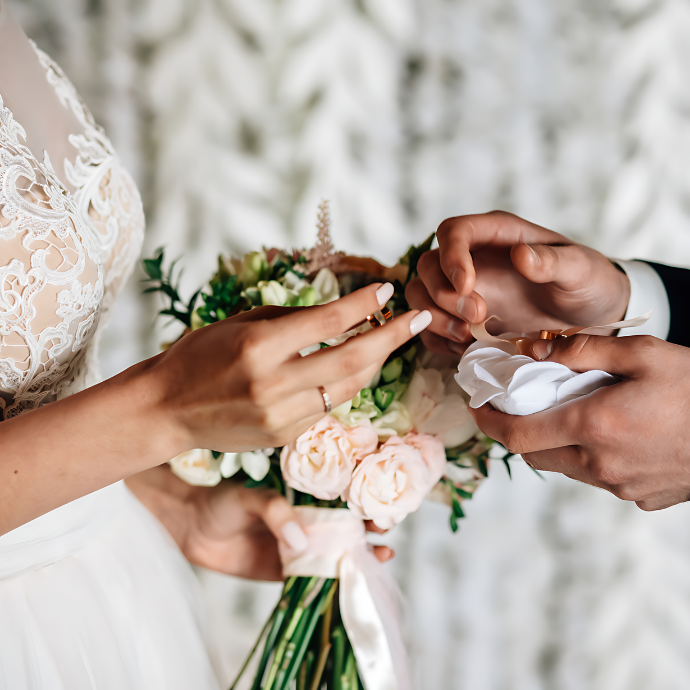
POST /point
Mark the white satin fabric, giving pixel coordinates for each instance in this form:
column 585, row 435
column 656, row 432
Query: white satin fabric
column 519, row 385
column 368, row 596
column 96, row 594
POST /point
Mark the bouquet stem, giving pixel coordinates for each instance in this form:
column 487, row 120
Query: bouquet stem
column 293, row 655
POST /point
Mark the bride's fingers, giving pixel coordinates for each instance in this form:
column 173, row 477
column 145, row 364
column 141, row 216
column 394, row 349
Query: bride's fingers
column 358, row 354
column 305, row 408
column 383, row 553
column 444, row 324
column 316, row 324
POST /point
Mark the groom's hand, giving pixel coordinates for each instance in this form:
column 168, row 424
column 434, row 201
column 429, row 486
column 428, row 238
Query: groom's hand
column 630, row 438
column 531, row 278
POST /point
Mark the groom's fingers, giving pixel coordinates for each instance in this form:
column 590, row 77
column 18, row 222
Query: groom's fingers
column 555, row 428
column 630, row 356
column 444, row 324
column 470, row 308
column 570, row 266
column 459, row 237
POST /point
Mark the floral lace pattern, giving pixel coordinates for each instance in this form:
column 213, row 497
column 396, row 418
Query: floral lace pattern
column 66, row 255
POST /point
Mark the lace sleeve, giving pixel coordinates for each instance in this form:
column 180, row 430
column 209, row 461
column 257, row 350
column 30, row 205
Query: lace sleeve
column 51, row 277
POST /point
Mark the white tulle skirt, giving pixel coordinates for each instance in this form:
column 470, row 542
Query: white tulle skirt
column 97, row 595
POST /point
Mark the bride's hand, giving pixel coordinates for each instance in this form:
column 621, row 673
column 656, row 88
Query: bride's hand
column 240, row 384
column 531, row 278
column 227, row 528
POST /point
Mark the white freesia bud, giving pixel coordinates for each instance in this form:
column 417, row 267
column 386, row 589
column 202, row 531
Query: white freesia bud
column 253, row 265
column 433, row 411
column 256, row 464
column 272, row 292
column 462, row 475
column 230, row 465
column 197, row 467
column 326, row 285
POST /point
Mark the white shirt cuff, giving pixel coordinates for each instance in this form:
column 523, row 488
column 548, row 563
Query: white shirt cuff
column 647, row 292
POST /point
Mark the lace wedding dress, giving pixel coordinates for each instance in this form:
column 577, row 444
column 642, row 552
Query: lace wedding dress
column 94, row 594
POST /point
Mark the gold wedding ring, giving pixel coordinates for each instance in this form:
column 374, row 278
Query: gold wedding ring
column 375, row 320
column 550, row 335
column 327, row 406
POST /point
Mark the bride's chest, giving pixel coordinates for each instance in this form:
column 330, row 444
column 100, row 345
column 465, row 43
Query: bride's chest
column 70, row 232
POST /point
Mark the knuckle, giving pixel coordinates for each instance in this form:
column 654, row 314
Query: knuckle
column 271, row 421
column 596, row 424
column 350, row 362
column 513, row 441
column 332, row 321
column 625, row 493
column 447, row 226
column 498, row 214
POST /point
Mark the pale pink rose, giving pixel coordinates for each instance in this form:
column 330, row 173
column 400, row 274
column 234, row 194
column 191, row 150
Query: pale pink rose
column 433, row 453
column 321, row 461
column 390, row 484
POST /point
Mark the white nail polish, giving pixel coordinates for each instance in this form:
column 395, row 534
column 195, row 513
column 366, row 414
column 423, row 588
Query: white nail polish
column 459, row 305
column 384, row 293
column 420, row 322
column 294, row 536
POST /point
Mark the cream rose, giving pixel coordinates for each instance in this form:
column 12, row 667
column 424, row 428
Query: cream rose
column 321, row 461
column 437, row 406
column 390, row 484
column 197, row 467
column 433, row 454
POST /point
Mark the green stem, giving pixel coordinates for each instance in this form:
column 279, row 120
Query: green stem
column 254, row 648
column 351, row 670
column 302, row 640
column 292, row 586
column 285, row 638
column 338, row 640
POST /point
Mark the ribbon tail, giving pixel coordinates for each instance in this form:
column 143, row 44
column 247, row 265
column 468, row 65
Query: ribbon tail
column 628, row 323
column 369, row 609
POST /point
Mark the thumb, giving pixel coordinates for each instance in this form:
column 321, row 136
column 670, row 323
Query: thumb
column 569, row 266
column 626, row 356
column 279, row 516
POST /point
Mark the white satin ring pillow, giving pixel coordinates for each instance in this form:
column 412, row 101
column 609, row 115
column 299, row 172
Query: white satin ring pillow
column 519, row 385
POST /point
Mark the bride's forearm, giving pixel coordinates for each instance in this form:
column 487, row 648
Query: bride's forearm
column 69, row 448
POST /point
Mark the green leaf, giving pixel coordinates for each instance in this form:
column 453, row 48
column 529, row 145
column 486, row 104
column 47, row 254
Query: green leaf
column 481, row 465
column 457, row 508
column 453, row 522
column 253, row 484
column 153, row 267
column 217, row 454
column 507, row 464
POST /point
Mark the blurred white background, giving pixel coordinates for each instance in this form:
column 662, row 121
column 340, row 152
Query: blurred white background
column 237, row 116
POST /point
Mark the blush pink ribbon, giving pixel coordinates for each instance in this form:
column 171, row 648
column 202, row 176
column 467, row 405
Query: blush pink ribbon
column 369, row 597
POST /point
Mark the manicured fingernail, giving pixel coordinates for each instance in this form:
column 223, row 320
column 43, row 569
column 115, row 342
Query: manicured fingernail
column 420, row 322
column 542, row 348
column 537, row 260
column 460, row 305
column 294, row 536
column 467, row 308
column 457, row 348
column 458, row 330
column 384, row 293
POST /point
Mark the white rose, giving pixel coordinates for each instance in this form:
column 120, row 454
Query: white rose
column 197, row 467
column 320, row 462
column 390, row 484
column 435, row 411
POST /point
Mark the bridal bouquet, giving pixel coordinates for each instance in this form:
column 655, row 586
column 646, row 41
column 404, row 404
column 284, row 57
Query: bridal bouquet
column 406, row 436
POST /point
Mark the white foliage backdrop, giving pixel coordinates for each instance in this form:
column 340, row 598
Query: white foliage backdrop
column 237, row 116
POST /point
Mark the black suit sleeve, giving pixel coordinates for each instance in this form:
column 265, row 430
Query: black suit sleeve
column 677, row 283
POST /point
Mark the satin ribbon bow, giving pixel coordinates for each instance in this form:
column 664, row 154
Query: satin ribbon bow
column 523, row 343
column 368, row 596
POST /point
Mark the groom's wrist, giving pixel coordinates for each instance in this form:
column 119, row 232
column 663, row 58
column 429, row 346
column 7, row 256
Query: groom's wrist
column 647, row 293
